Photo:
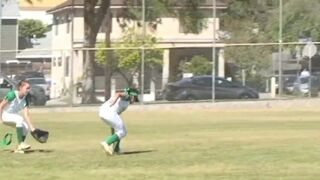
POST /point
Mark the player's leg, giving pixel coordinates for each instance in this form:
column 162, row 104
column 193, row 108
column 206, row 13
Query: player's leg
column 116, row 145
column 22, row 128
column 120, row 132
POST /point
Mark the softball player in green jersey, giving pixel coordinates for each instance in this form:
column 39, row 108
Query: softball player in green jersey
column 10, row 107
column 110, row 113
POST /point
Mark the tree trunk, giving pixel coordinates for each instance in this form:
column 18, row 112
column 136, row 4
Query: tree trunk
column 92, row 22
column 90, row 41
column 109, row 61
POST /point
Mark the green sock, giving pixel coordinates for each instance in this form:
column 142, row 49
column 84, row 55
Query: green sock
column 112, row 139
column 24, row 138
column 20, row 134
column 117, row 146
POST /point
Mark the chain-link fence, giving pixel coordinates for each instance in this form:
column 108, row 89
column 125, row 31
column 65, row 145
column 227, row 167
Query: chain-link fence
column 255, row 50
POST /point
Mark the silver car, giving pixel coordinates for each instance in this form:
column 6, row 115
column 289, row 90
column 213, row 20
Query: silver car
column 41, row 82
column 38, row 97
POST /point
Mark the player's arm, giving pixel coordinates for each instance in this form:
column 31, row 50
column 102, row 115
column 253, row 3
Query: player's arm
column 116, row 97
column 3, row 104
column 26, row 115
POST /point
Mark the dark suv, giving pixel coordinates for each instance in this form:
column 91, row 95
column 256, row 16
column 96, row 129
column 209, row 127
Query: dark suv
column 38, row 97
column 200, row 87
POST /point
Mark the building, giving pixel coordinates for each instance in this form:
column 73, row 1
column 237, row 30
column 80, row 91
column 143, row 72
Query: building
column 37, row 10
column 170, row 33
column 36, row 52
column 9, row 33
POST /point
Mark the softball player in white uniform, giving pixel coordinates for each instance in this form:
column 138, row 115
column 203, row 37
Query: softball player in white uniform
column 10, row 107
column 110, row 112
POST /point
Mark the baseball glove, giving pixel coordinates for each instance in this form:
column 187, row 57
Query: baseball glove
column 40, row 135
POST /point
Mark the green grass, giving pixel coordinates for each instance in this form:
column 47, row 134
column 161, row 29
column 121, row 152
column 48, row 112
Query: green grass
column 189, row 144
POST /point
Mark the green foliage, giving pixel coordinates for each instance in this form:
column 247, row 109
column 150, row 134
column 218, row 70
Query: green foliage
column 29, row 28
column 255, row 60
column 198, row 65
column 101, row 55
column 130, row 59
column 247, row 21
column 300, row 20
column 192, row 19
column 190, row 16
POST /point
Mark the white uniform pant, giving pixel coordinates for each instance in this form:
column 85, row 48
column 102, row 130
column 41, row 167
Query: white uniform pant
column 15, row 120
column 114, row 120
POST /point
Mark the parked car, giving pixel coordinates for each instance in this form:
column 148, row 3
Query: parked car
column 38, row 97
column 288, row 83
column 304, row 85
column 200, row 87
column 299, row 85
column 28, row 74
column 41, row 82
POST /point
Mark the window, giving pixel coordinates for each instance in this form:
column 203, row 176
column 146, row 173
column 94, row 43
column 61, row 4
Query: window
column 54, row 62
column 203, row 81
column 5, row 84
column 223, row 83
column 37, row 81
column 68, row 20
column 66, row 71
column 59, row 61
column 56, row 26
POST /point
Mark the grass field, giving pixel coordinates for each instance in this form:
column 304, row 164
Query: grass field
column 189, row 144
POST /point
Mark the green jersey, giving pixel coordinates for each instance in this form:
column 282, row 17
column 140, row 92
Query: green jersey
column 16, row 104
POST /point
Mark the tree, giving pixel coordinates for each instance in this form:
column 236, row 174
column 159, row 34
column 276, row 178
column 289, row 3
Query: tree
column 30, row 28
column 247, row 20
column 300, row 20
column 129, row 60
column 92, row 21
column 198, row 65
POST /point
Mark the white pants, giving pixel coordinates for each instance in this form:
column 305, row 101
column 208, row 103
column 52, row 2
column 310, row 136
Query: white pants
column 15, row 120
column 114, row 120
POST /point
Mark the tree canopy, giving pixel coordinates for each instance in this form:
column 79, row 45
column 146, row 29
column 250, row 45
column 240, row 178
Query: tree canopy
column 30, row 28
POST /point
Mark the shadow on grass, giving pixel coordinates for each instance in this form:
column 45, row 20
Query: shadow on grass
column 38, row 151
column 136, row 152
column 29, row 151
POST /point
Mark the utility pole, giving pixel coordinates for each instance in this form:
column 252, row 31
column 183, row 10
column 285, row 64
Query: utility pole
column 143, row 48
column 214, row 15
column 71, row 55
column 280, row 50
column 0, row 34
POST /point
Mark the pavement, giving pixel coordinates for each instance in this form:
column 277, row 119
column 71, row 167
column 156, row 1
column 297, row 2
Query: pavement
column 271, row 104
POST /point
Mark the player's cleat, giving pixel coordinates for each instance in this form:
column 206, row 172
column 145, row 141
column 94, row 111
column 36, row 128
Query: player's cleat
column 24, row 146
column 107, row 148
column 18, row 150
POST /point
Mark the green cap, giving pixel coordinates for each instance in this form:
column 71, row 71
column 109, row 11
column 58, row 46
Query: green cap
column 131, row 91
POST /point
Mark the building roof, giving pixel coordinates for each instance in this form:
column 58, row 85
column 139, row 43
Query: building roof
column 40, row 48
column 120, row 3
column 10, row 9
column 38, row 5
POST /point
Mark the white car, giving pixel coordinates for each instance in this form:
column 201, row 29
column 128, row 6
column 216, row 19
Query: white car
column 41, row 82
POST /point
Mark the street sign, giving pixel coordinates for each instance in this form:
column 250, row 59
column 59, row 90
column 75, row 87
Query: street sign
column 309, row 50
